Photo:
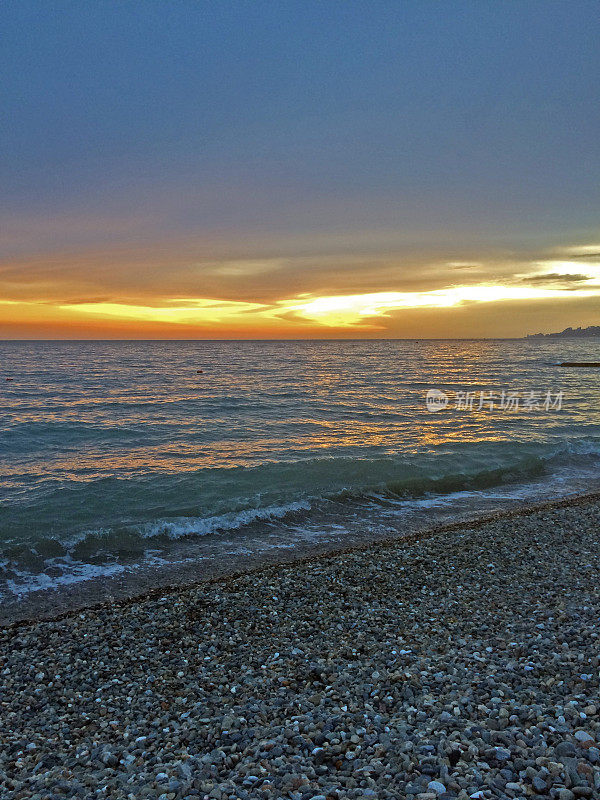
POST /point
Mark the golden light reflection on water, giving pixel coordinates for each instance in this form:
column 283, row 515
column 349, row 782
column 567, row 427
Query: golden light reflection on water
column 103, row 434
column 300, row 439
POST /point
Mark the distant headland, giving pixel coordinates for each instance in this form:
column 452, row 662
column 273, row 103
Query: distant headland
column 568, row 333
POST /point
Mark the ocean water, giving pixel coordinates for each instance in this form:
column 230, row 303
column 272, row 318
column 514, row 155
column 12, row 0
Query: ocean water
column 120, row 457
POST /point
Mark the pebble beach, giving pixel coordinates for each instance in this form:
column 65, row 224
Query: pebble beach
column 461, row 664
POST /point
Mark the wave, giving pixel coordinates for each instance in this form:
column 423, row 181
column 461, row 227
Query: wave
column 412, row 488
column 306, row 491
column 125, row 538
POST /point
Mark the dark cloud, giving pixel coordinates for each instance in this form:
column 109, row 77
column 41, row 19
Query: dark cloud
column 556, row 277
column 588, row 256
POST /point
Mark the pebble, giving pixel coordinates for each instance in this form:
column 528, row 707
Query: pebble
column 565, row 794
column 436, row 787
column 501, row 754
column 566, row 750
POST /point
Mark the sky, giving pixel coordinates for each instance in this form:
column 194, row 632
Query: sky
column 225, row 169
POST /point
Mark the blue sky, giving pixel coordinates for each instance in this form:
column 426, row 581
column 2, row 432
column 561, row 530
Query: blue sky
column 408, row 132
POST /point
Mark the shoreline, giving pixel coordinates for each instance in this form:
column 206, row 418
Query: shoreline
column 121, row 591
column 461, row 664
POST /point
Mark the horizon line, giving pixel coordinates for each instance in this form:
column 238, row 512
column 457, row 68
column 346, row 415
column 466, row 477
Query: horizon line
column 303, row 339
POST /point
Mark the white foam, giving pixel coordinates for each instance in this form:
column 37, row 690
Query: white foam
column 204, row 526
column 75, row 572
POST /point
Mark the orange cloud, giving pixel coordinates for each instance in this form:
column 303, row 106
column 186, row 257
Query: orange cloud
column 277, row 297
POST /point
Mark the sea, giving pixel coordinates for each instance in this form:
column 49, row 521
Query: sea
column 131, row 459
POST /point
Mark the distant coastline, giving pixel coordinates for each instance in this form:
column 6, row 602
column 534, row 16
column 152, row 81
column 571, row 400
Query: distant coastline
column 568, row 333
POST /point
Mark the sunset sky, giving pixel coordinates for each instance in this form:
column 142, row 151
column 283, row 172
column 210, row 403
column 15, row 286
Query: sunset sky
column 298, row 169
